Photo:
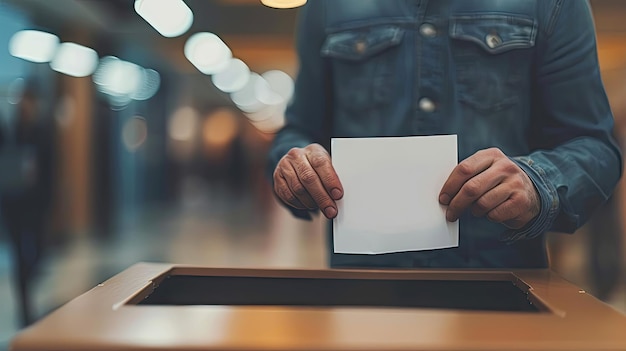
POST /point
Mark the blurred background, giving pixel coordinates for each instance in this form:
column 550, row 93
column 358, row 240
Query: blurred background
column 123, row 140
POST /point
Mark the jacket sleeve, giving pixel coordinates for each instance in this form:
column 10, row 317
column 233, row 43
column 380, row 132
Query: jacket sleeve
column 576, row 163
column 307, row 117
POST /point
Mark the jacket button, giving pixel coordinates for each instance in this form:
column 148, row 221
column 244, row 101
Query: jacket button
column 493, row 40
column 426, row 105
column 360, row 46
column 428, row 30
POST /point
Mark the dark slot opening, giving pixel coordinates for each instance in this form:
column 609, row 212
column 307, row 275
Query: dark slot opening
column 263, row 291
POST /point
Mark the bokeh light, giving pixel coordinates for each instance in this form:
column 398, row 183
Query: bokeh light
column 207, row 52
column 280, row 82
column 34, row 45
column 220, row 128
column 232, row 78
column 134, row 133
column 283, row 4
column 246, row 98
column 74, row 60
column 183, row 124
column 171, row 18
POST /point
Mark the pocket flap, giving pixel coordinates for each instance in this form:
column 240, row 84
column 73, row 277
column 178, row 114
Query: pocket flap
column 495, row 33
column 360, row 44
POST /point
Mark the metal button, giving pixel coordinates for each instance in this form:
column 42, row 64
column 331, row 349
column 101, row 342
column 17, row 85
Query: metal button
column 428, row 30
column 426, row 105
column 360, row 46
column 493, row 40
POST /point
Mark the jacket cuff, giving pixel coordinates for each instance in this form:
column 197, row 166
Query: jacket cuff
column 549, row 203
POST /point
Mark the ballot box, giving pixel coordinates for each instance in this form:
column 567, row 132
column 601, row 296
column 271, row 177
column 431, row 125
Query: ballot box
column 173, row 307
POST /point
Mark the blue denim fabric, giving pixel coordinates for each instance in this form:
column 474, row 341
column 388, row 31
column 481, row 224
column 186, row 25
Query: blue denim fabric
column 520, row 75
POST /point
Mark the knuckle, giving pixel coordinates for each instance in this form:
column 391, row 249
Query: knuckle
column 294, row 152
column 494, row 152
column 307, row 176
column 465, row 169
column 510, row 167
column 315, row 147
column 517, row 183
column 472, row 188
column 482, row 205
column 318, row 160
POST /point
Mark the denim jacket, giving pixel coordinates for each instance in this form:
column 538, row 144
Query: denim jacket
column 520, row 75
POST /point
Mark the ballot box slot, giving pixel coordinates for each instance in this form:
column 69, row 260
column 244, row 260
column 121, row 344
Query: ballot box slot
column 478, row 295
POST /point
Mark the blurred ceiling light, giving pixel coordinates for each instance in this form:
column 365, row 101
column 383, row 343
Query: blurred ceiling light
column 280, row 82
column 124, row 81
column 207, row 52
column 272, row 124
column 117, row 77
column 220, row 128
column 183, row 124
column 74, row 60
column 283, row 4
column 246, row 98
column 170, row 18
column 265, row 93
column 33, row 45
column 266, row 112
column 134, row 133
column 232, row 78
column 150, row 85
column 119, row 102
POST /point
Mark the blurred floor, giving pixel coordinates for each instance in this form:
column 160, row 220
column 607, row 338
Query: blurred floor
column 219, row 233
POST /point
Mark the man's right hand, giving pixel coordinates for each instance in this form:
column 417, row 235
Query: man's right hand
column 305, row 179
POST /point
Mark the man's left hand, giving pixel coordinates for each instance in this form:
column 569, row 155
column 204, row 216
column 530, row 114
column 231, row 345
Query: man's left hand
column 491, row 185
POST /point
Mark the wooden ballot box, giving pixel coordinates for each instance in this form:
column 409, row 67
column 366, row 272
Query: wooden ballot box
column 172, row 307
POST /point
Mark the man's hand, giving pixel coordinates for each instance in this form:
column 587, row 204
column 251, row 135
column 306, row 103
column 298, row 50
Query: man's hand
column 305, row 179
column 491, row 185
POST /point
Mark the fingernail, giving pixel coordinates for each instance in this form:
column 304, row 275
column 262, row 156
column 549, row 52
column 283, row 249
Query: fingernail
column 330, row 212
column 336, row 193
column 444, row 199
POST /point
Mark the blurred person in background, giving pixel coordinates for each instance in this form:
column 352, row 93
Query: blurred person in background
column 518, row 81
column 26, row 192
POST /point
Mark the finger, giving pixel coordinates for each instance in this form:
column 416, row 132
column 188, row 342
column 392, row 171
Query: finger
column 522, row 210
column 490, row 200
column 320, row 161
column 283, row 191
column 506, row 212
column 464, row 171
column 296, row 186
column 314, row 187
column 471, row 191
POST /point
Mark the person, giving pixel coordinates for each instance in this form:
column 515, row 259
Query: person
column 518, row 81
column 25, row 201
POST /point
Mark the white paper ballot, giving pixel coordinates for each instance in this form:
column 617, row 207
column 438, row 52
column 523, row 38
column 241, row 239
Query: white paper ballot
column 391, row 190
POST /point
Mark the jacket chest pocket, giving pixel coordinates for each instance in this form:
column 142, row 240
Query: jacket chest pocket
column 492, row 58
column 363, row 62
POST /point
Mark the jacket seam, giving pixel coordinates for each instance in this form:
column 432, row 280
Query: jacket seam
column 554, row 17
